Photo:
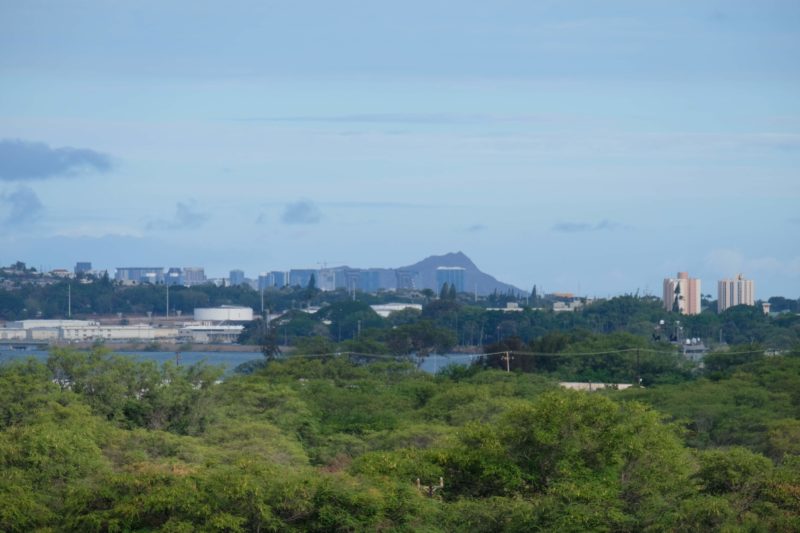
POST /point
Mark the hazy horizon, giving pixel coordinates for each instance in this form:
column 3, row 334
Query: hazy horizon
column 604, row 146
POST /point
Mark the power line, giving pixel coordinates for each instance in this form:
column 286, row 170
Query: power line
column 511, row 352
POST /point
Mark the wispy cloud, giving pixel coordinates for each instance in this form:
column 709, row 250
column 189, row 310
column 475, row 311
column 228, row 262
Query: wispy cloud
column 380, row 205
column 476, row 228
column 187, row 216
column 578, row 227
column 302, row 212
column 367, row 204
column 21, row 206
column 407, row 118
column 26, row 161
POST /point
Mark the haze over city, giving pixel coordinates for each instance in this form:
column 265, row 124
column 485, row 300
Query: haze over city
column 599, row 146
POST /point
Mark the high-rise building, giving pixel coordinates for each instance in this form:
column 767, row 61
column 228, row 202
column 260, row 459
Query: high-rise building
column 82, row 267
column 301, row 276
column 174, row 276
column 369, row 280
column 326, row 279
column 352, row 279
column 278, row 278
column 453, row 276
column 732, row 292
column 682, row 294
column 236, row 277
column 193, row 276
column 406, row 279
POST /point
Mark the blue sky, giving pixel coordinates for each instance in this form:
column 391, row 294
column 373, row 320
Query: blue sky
column 598, row 145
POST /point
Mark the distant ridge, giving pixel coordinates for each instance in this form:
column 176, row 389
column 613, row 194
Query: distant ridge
column 473, row 277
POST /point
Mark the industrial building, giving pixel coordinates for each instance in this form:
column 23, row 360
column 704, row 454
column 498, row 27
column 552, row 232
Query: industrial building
column 210, row 325
column 225, row 313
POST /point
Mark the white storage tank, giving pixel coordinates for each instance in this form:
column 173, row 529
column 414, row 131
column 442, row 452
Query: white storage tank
column 226, row 313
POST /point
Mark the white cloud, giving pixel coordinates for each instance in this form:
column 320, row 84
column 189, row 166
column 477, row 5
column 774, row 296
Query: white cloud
column 302, row 212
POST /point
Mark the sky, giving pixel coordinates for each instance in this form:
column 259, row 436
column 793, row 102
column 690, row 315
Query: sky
column 592, row 146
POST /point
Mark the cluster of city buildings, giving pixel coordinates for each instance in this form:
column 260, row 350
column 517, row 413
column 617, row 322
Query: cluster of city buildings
column 186, row 276
column 325, row 279
column 681, row 294
column 684, row 295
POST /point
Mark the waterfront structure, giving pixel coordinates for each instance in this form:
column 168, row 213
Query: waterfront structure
column 225, row 313
column 210, row 333
column 134, row 275
column 83, row 331
column 236, row 277
column 212, row 326
column 453, row 276
column 738, row 291
column 682, row 294
column 37, row 323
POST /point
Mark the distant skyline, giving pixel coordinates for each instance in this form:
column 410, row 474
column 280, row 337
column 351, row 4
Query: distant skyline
column 604, row 145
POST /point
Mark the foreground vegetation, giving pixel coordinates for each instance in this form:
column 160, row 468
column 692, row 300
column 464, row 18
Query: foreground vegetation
column 98, row 442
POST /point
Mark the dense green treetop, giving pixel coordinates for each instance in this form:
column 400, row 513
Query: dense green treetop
column 100, row 442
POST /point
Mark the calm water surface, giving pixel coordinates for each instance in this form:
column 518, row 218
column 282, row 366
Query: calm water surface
column 230, row 360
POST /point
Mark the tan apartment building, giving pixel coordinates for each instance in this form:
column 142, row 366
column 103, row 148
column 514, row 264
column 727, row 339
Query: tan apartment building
column 738, row 291
column 682, row 294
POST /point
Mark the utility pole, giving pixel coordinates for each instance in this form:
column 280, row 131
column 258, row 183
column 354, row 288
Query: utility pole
column 507, row 358
column 167, row 284
column 638, row 370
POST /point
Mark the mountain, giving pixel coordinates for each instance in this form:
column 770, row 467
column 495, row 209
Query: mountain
column 474, row 279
